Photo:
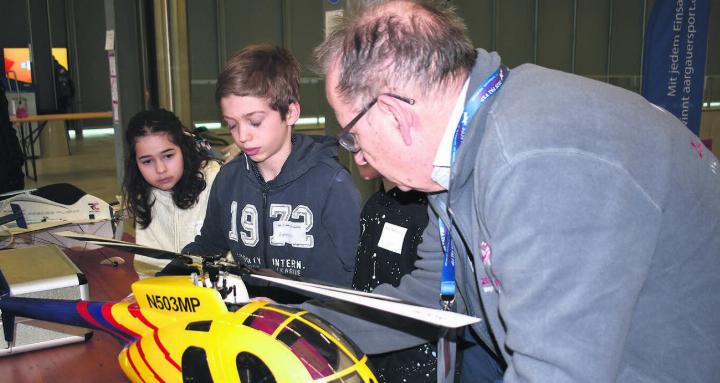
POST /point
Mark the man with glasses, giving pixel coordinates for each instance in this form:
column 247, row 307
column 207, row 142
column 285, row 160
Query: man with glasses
column 582, row 221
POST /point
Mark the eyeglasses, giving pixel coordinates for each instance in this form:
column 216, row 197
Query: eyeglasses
column 347, row 139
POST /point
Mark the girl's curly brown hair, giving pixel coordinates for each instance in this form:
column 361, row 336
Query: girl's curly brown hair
column 136, row 191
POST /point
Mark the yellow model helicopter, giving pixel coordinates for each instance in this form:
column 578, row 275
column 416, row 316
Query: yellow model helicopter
column 180, row 329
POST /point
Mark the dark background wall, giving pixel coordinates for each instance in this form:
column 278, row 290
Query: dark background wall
column 218, row 28
column 60, row 22
column 15, row 26
column 601, row 39
column 91, row 73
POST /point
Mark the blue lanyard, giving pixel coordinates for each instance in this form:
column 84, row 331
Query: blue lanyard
column 489, row 87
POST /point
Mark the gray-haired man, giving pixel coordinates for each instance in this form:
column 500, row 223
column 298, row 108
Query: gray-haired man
column 585, row 221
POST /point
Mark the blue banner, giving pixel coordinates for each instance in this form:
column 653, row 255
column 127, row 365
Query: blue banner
column 674, row 61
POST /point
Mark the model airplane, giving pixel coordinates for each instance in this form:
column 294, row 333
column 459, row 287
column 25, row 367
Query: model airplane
column 55, row 207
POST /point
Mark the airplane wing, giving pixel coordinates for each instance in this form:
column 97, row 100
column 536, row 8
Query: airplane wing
column 13, row 193
column 33, row 227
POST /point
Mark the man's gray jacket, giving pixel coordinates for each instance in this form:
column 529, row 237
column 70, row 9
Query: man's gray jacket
column 590, row 228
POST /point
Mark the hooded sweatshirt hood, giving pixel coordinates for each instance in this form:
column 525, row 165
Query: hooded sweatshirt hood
column 305, row 223
column 307, row 152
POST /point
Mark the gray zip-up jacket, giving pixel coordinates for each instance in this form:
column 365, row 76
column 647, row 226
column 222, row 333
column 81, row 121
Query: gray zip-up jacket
column 591, row 228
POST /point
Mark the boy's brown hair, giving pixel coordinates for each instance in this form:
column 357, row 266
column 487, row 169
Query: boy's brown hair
column 261, row 71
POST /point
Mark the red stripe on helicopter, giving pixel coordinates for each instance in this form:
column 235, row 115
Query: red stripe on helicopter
column 107, row 314
column 82, row 309
column 142, row 355
column 134, row 311
column 132, row 364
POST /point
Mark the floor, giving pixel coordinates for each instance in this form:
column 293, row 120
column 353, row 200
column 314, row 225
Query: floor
column 91, row 167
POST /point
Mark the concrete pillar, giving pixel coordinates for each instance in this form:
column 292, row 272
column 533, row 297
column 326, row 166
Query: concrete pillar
column 173, row 65
column 42, row 68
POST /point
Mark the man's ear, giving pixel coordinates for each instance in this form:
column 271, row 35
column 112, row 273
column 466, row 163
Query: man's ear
column 293, row 113
column 404, row 115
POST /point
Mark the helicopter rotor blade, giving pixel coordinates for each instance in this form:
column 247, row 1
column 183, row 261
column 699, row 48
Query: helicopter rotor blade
column 246, row 270
column 435, row 317
column 127, row 246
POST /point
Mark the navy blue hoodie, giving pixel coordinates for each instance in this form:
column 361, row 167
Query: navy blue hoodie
column 304, row 223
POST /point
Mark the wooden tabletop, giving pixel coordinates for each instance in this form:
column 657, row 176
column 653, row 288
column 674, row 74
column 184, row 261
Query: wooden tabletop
column 63, row 116
column 91, row 361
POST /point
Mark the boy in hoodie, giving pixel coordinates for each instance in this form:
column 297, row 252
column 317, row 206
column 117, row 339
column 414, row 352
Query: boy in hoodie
column 285, row 202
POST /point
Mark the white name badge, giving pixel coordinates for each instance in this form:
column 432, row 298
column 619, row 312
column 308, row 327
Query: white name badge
column 289, row 232
column 392, row 237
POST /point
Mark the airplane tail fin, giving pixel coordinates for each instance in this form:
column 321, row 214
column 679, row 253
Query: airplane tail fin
column 19, row 216
column 8, row 320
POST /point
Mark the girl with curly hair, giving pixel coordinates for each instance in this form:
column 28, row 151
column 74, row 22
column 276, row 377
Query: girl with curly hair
column 168, row 176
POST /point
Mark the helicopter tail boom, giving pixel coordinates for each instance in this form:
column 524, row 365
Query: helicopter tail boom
column 91, row 315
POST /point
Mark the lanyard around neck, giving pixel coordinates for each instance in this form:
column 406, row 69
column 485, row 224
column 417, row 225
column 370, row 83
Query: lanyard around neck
column 489, row 87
